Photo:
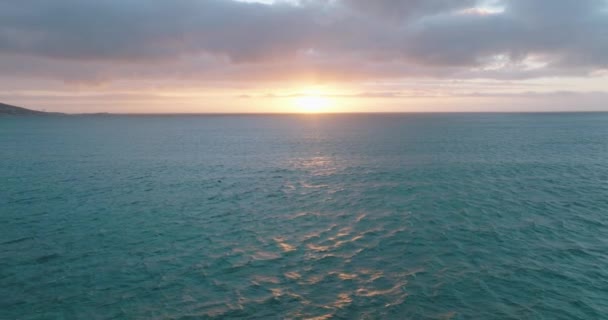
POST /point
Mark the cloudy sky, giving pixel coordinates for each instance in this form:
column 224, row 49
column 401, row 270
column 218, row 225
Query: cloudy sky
column 282, row 56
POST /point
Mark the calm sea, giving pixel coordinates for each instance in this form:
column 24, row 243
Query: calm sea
column 445, row 216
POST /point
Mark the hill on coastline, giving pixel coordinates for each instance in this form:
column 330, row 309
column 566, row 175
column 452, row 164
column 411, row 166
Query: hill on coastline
column 7, row 109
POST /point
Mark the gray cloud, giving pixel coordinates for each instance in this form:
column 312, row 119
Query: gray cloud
column 323, row 39
column 150, row 29
column 399, row 9
column 567, row 33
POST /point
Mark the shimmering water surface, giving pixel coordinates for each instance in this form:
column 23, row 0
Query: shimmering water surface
column 448, row 216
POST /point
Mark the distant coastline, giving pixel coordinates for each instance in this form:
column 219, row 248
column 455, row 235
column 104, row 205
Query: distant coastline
column 10, row 110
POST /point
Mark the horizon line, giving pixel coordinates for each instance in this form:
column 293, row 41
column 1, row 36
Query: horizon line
column 317, row 113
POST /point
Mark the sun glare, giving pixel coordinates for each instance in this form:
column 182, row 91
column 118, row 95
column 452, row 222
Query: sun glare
column 312, row 104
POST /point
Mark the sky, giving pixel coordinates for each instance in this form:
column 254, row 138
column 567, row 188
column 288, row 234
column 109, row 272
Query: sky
column 224, row 56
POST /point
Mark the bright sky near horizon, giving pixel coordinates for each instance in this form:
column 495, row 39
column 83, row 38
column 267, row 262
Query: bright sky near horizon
column 158, row 56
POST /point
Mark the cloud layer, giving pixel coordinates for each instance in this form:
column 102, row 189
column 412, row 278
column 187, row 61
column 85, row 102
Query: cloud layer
column 333, row 40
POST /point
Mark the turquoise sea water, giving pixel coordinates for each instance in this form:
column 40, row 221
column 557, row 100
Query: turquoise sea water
column 447, row 216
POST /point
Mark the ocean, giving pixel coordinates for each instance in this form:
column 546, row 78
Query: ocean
column 375, row 216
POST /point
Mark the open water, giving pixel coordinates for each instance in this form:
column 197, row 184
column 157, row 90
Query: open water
column 428, row 216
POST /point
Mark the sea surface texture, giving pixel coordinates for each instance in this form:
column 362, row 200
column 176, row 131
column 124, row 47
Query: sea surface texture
column 446, row 216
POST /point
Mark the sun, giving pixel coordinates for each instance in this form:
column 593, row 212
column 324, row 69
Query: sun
column 312, row 104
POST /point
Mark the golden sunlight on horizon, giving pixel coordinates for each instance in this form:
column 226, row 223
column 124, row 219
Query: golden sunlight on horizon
column 312, row 104
column 313, row 100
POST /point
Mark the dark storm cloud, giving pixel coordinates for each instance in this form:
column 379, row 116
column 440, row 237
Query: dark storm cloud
column 353, row 38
